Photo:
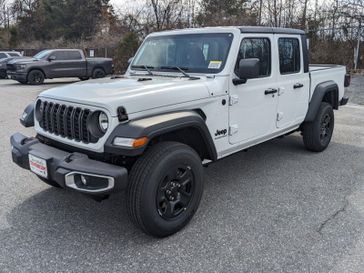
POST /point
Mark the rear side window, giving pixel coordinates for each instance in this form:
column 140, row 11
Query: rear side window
column 60, row 55
column 14, row 54
column 73, row 55
column 256, row 48
column 289, row 55
column 3, row 55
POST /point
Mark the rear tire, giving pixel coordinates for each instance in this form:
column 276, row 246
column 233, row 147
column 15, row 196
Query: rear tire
column 35, row 77
column 318, row 133
column 165, row 188
column 98, row 73
column 49, row 182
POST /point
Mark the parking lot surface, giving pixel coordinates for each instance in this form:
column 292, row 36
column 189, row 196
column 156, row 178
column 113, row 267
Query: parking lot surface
column 275, row 208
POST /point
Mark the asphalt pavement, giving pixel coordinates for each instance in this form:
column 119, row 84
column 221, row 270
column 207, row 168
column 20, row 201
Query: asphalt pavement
column 275, row 208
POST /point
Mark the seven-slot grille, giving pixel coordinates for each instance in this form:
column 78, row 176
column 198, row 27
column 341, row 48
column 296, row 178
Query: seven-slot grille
column 65, row 121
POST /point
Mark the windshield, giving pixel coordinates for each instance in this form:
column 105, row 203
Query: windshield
column 2, row 61
column 42, row 54
column 195, row 53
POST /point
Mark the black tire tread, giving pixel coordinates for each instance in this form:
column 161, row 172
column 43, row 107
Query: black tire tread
column 309, row 135
column 138, row 176
column 32, row 71
column 94, row 73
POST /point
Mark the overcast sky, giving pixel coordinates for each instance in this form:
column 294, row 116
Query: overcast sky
column 120, row 3
column 128, row 3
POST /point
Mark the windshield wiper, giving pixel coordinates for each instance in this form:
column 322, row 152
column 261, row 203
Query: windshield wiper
column 147, row 68
column 182, row 70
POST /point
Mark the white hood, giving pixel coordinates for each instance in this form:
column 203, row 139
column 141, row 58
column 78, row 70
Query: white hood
column 130, row 93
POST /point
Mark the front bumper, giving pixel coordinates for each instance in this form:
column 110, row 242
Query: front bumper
column 63, row 167
column 18, row 76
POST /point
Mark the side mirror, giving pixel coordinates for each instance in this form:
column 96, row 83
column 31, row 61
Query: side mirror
column 248, row 69
column 51, row 58
column 130, row 60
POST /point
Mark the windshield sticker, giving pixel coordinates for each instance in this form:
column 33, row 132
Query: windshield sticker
column 215, row 64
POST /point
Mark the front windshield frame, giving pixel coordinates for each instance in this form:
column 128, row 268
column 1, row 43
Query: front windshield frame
column 42, row 54
column 135, row 66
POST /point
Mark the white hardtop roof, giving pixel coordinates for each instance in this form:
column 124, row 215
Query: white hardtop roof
column 232, row 29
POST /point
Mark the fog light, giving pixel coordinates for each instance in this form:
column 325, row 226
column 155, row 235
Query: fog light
column 83, row 180
column 89, row 182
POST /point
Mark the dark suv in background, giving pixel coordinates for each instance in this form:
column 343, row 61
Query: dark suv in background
column 58, row 63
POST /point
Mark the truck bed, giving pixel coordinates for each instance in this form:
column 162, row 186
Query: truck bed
column 327, row 72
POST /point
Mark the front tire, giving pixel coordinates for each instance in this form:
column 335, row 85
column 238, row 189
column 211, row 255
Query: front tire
column 318, row 133
column 35, row 77
column 3, row 74
column 165, row 188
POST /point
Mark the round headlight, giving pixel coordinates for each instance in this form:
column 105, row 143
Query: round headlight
column 103, row 122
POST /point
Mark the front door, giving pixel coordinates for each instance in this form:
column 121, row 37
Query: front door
column 57, row 67
column 253, row 105
column 293, row 82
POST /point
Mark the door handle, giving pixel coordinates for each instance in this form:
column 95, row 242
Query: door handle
column 298, row 85
column 270, row 91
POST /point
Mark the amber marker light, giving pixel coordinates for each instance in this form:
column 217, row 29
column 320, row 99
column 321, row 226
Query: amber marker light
column 139, row 142
column 130, row 142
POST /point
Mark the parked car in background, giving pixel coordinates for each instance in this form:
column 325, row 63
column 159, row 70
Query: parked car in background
column 58, row 63
column 8, row 54
column 3, row 63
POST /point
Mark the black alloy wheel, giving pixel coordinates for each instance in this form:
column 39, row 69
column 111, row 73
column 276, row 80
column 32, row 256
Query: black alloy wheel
column 326, row 128
column 98, row 73
column 175, row 192
column 3, row 74
column 317, row 134
column 35, row 77
column 165, row 188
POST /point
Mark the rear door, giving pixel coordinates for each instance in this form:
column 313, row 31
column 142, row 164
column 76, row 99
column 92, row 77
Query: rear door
column 253, row 105
column 76, row 64
column 293, row 81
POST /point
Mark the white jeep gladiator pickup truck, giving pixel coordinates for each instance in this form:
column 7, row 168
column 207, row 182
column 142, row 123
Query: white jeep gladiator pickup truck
column 189, row 97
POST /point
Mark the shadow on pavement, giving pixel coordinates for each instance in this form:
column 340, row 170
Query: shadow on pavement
column 268, row 203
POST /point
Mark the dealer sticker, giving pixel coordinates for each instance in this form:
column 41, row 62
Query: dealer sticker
column 38, row 166
column 215, row 64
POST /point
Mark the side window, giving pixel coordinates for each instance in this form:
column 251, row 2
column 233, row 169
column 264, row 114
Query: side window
column 3, row 55
column 60, row 55
column 74, row 55
column 289, row 55
column 256, row 48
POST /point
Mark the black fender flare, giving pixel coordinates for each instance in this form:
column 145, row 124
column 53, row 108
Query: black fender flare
column 154, row 126
column 317, row 97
